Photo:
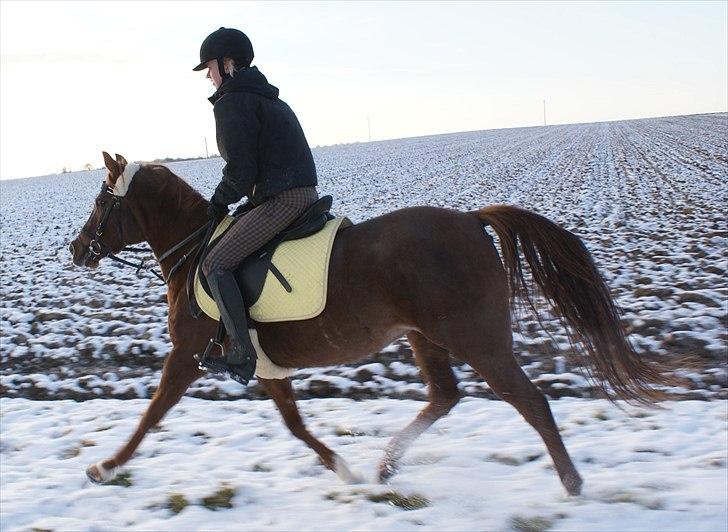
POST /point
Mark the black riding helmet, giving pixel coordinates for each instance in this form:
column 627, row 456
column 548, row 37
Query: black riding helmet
column 226, row 42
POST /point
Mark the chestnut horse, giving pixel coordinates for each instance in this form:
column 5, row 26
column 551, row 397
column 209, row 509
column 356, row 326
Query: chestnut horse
column 432, row 274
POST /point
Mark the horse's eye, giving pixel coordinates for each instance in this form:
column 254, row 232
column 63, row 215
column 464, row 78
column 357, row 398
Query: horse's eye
column 100, row 202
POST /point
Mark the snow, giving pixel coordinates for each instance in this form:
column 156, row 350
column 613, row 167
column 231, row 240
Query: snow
column 480, row 468
column 647, row 196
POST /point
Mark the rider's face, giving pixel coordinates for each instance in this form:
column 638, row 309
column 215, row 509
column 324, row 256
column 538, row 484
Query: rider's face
column 213, row 73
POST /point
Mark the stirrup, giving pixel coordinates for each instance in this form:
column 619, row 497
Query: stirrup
column 220, row 365
column 205, row 363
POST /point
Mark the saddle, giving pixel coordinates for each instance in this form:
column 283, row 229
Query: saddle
column 252, row 272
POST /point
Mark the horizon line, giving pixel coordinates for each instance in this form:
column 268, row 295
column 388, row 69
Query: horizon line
column 322, row 146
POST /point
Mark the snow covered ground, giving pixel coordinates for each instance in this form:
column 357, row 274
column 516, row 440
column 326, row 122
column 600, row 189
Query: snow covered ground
column 647, row 196
column 232, row 466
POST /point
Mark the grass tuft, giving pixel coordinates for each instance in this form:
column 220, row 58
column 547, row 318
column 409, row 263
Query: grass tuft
column 413, row 502
column 122, row 479
column 71, row 452
column 531, row 524
column 177, row 502
column 222, row 498
column 503, row 459
column 631, row 498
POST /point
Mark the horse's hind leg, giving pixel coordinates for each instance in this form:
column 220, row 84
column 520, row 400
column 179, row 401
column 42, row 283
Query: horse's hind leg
column 281, row 392
column 505, row 377
column 443, row 394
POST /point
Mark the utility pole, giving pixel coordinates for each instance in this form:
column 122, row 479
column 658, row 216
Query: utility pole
column 544, row 112
column 207, row 154
column 369, row 129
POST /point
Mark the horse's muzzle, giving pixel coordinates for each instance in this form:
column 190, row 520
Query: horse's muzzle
column 80, row 254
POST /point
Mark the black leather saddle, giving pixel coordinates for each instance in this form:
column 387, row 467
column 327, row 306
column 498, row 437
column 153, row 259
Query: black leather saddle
column 253, row 270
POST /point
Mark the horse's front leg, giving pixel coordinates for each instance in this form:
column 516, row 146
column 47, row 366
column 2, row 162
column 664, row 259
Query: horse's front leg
column 180, row 370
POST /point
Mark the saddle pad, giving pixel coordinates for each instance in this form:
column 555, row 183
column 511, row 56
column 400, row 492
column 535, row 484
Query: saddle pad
column 304, row 263
column 265, row 368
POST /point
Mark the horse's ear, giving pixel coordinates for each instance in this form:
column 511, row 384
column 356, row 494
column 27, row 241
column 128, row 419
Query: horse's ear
column 112, row 166
column 122, row 162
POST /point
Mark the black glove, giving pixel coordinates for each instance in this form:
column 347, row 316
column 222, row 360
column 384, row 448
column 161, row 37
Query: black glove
column 216, row 211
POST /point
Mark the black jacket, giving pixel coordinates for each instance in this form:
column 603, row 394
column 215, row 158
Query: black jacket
column 260, row 139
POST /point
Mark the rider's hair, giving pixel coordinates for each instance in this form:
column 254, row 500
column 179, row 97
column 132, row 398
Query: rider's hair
column 229, row 65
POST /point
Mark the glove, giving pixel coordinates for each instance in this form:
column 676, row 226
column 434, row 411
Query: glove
column 216, row 211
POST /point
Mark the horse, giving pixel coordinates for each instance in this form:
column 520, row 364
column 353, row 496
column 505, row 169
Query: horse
column 432, row 274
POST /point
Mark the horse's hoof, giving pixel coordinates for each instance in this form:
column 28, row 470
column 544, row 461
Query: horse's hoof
column 386, row 471
column 341, row 468
column 98, row 474
column 573, row 485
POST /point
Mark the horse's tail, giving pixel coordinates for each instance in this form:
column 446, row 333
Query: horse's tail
column 564, row 271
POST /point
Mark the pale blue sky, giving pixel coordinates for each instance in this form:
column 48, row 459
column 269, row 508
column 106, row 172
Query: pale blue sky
column 80, row 77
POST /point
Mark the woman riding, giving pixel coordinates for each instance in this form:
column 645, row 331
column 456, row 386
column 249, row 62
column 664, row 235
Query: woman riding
column 267, row 159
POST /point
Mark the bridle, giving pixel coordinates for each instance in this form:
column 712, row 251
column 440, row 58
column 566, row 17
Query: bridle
column 98, row 250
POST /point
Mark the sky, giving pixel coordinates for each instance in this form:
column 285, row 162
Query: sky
column 77, row 78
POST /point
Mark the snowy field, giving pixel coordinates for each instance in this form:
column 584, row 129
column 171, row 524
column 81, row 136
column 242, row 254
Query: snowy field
column 647, row 196
column 232, row 466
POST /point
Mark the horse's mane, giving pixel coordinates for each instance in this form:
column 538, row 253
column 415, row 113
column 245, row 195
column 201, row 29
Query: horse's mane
column 171, row 187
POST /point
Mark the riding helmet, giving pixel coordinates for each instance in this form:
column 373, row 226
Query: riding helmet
column 226, row 42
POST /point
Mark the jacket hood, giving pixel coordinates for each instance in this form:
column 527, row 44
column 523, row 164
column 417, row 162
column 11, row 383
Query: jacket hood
column 247, row 80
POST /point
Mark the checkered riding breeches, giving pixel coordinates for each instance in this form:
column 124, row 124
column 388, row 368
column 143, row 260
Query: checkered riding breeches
column 257, row 227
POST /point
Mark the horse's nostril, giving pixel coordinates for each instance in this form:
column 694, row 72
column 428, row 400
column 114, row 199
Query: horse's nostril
column 71, row 249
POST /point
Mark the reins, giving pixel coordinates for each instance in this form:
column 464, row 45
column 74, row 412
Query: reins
column 194, row 307
column 139, row 267
column 205, row 229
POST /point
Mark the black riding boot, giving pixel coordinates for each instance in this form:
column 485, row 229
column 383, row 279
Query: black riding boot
column 240, row 355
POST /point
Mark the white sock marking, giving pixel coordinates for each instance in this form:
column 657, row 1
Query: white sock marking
column 106, row 474
column 344, row 473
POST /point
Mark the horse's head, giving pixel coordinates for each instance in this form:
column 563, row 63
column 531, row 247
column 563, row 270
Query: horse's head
column 112, row 225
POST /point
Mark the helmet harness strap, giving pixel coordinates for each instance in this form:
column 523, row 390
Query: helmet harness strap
column 221, row 68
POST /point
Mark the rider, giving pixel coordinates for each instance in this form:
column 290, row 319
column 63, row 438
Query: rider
column 267, row 159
